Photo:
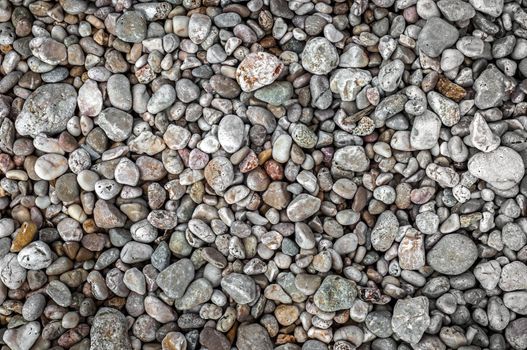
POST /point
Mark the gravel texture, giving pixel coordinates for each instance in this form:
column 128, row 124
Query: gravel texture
column 263, row 174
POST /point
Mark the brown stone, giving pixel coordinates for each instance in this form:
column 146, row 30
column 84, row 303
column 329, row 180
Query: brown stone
column 213, row 340
column 412, row 251
column 450, row 89
column 25, row 235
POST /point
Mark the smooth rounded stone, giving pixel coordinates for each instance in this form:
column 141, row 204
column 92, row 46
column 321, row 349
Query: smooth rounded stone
column 456, row 10
column 384, row 231
column 131, row 27
column 303, row 136
column 116, row 124
column 444, row 176
column 7, row 227
column 335, row 293
column 186, row 90
column 106, row 215
column 410, row 318
column 109, row 330
column 162, row 99
column 490, row 88
column 348, row 82
column 346, row 244
column 134, row 252
column 35, row 256
column 7, row 33
column 33, row 307
column 516, row 335
column 351, row 158
column 199, row 27
column 471, row 46
column 516, row 301
column 354, row 57
column 390, row 75
column 453, row 254
column 241, row 288
column 302, row 207
column 502, row 168
column 47, row 110
column 23, row 337
column 436, row 36
column 90, row 99
column 230, row 133
column 257, row 70
column 276, row 94
column 143, row 232
column 174, row 341
column 219, row 174
column 481, row 136
column 197, row 293
column 319, row 56
column 162, row 219
column 59, row 293
column 107, row 189
column 224, row 86
column 175, row 279
column 513, row 276
column 445, row 108
column 253, row 336
column 488, row 274
column 126, row 173
column 50, row 166
column 48, row 50
column 282, row 148
column 119, row 92
column 425, row 131
column 379, row 323
column 176, row 137
column 489, row 7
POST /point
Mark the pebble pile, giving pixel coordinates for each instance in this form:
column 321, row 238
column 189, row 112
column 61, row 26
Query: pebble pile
column 263, row 174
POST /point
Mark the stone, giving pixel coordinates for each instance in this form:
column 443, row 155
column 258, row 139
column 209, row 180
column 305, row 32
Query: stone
column 436, row 36
column 219, row 173
column 384, row 232
column 257, row 70
column 23, row 337
column 117, row 124
column 302, row 207
column 253, row 336
column 241, row 288
column 109, row 330
column 425, row 131
column 131, row 27
column 351, row 158
column 51, row 166
column 513, row 276
column 348, row 82
column 48, row 50
column 390, row 75
column 453, row 254
column 319, row 56
column 35, row 256
column 489, row 7
column 335, row 293
column 410, row 318
column 445, row 108
column 502, row 168
column 47, row 110
column 175, row 279
column 490, row 88
column 230, row 133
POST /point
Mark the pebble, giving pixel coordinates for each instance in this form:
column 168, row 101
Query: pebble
column 47, row 110
column 23, row 337
column 335, row 293
column 241, row 288
column 109, row 319
column 453, row 254
column 175, row 279
column 319, row 56
column 258, row 70
column 502, row 168
column 411, row 319
column 436, row 36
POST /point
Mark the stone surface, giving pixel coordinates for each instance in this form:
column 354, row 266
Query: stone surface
column 453, row 254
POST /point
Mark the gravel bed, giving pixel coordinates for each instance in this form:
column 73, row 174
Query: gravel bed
column 263, row 174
